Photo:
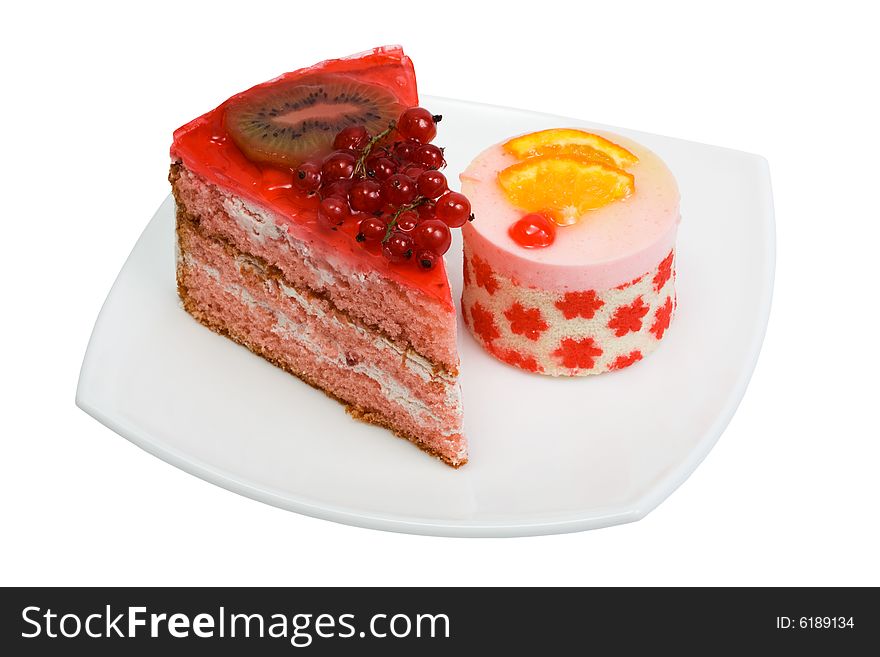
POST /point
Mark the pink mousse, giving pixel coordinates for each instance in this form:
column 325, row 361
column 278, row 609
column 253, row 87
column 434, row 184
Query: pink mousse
column 609, row 246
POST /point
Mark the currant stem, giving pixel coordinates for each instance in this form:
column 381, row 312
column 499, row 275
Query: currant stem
column 403, row 208
column 360, row 167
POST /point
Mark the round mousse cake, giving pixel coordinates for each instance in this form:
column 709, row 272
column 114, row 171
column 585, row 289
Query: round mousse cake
column 569, row 264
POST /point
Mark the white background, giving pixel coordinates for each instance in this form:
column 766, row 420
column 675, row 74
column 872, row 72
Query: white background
column 90, row 96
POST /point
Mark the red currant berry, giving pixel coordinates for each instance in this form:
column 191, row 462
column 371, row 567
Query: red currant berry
column 364, row 196
column 398, row 247
column 413, row 171
column 337, row 188
column 431, row 184
column 332, row 212
column 426, row 210
column 533, row 231
column 454, row 209
column 429, row 156
column 372, row 229
column 417, row 124
column 398, row 190
column 426, row 259
column 352, row 138
column 337, row 166
column 407, row 221
column 307, row 177
column 381, row 168
column 433, row 235
column 404, row 150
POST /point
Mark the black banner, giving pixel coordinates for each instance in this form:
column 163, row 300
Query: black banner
column 115, row 621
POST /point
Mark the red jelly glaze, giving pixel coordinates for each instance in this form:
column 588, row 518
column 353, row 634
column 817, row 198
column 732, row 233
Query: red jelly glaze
column 204, row 147
column 533, row 231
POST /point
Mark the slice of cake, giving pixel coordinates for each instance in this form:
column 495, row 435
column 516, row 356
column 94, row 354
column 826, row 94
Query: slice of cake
column 570, row 270
column 311, row 222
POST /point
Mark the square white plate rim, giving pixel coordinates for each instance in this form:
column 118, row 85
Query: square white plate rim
column 88, row 399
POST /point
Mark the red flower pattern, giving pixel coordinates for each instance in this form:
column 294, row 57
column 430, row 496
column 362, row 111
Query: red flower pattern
column 578, row 354
column 632, row 282
column 513, row 357
column 625, row 361
column 525, row 322
column 484, row 275
column 664, row 271
column 580, row 304
column 483, row 324
column 628, row 318
column 662, row 318
column 584, row 353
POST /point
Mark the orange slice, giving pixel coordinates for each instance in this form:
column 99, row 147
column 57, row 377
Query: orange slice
column 568, row 141
column 565, row 187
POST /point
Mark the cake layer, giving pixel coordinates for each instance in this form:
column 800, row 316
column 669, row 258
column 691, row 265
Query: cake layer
column 242, row 296
column 205, row 147
column 609, row 246
column 405, row 315
column 573, row 333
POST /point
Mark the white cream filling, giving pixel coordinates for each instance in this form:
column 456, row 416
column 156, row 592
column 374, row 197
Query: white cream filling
column 390, row 386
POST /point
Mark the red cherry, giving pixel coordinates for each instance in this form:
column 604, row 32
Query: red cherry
column 398, row 247
column 332, row 212
column 352, row 138
column 454, row 209
column 429, row 156
column 533, row 231
column 364, row 196
column 433, row 235
column 338, row 165
column 381, row 168
column 398, row 189
column 418, row 124
column 372, row 229
column 307, row 177
column 426, row 259
column 431, row 184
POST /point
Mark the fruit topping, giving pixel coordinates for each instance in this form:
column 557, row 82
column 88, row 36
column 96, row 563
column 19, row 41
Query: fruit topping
column 454, row 209
column 418, row 124
column 533, row 231
column 433, row 235
column 391, row 190
column 332, row 212
column 399, row 189
column 307, row 177
column 398, row 247
column 568, row 141
column 364, row 196
column 426, row 259
column 564, row 187
column 295, row 120
column 371, row 229
column 431, row 184
column 353, row 138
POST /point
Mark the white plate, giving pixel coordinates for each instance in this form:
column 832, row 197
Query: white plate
column 546, row 455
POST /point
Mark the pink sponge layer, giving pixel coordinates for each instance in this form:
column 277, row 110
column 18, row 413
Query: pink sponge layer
column 406, row 317
column 239, row 295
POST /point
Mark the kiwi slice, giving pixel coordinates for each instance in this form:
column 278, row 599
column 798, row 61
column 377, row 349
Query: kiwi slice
column 295, row 120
